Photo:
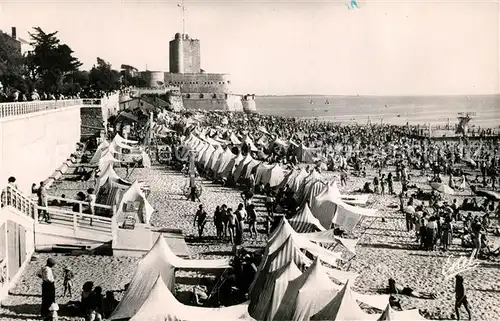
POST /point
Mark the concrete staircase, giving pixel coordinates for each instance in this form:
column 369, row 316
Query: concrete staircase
column 66, row 228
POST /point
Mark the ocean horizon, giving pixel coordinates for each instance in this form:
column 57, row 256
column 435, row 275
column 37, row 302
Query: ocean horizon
column 399, row 110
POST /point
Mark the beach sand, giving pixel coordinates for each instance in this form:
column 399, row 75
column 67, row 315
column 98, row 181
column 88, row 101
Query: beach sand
column 385, row 250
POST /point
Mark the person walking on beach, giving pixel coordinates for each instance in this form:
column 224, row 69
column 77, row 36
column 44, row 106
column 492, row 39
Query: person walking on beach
column 219, row 222
column 382, row 184
column 390, row 183
column 343, row 177
column 460, row 297
column 48, row 287
column 375, row 185
column 231, row 224
column 200, row 218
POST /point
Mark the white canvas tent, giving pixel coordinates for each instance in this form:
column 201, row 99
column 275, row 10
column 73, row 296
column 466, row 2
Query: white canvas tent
column 306, row 295
column 159, row 261
column 273, row 176
column 305, row 222
column 161, row 305
column 132, row 195
column 239, row 167
column 343, row 307
column 328, row 208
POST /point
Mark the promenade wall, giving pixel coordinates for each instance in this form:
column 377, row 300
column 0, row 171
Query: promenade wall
column 36, row 138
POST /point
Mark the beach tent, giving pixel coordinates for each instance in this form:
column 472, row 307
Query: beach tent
column 273, row 176
column 329, row 236
column 110, row 178
column 199, row 155
column 234, row 140
column 406, row 315
column 284, row 230
column 343, row 307
column 305, row 222
column 105, row 160
column 261, row 171
column 312, row 190
column 228, row 171
column 239, row 167
column 159, row 261
column 249, row 168
column 205, row 156
column 268, row 299
column 306, row 295
column 283, row 255
column 249, row 143
column 297, row 181
column 101, row 149
column 305, row 154
column 327, row 207
column 223, row 161
column 307, row 183
column 161, row 305
column 349, row 199
column 289, row 177
column 214, row 157
column 135, row 198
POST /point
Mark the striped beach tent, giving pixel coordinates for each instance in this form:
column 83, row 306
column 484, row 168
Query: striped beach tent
column 343, row 307
column 239, row 167
column 273, row 176
column 305, row 222
column 306, row 295
column 205, row 156
column 214, row 157
column 161, row 262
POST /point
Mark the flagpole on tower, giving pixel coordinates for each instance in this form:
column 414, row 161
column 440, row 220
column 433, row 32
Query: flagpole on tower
column 183, row 8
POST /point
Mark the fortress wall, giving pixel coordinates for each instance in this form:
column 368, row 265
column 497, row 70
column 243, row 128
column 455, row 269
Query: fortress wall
column 153, row 77
column 184, row 56
column 33, row 145
column 208, row 102
column 199, row 82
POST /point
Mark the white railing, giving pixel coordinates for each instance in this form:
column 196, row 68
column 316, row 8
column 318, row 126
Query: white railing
column 27, row 107
column 78, row 221
column 92, row 101
column 13, row 197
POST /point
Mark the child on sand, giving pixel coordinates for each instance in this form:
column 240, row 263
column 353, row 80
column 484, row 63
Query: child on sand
column 68, row 281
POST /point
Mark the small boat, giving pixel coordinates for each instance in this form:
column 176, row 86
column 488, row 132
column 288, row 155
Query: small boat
column 327, row 102
column 311, row 102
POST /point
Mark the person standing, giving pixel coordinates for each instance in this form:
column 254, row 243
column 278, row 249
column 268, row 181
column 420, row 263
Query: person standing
column 43, row 201
column 200, row 218
column 460, row 297
column 91, row 199
column 219, row 222
column 241, row 215
column 68, row 282
column 382, row 184
column 48, row 287
column 252, row 220
column 231, row 224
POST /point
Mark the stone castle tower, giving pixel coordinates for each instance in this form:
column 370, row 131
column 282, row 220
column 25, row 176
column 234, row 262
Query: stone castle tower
column 185, row 57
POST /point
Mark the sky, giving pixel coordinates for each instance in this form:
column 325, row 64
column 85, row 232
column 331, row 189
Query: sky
column 398, row 47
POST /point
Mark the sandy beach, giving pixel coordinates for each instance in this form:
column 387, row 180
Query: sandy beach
column 385, row 250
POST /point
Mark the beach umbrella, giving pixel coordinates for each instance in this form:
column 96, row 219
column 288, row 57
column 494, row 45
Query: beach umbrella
column 442, row 188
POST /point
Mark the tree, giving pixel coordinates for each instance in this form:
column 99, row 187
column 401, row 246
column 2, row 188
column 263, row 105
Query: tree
column 103, row 78
column 50, row 62
column 12, row 70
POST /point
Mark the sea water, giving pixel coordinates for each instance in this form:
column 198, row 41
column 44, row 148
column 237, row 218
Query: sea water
column 435, row 110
